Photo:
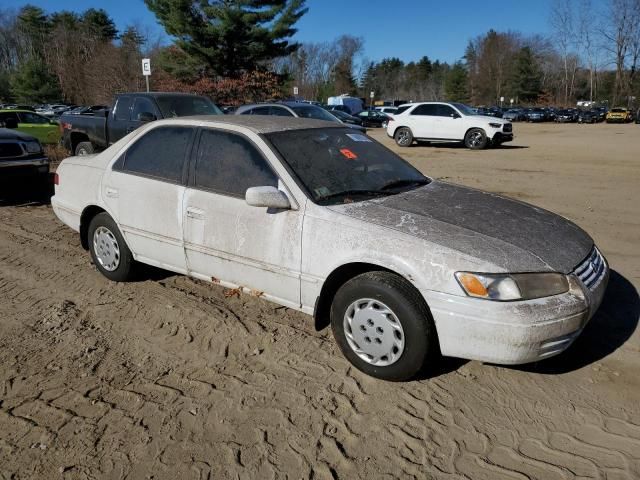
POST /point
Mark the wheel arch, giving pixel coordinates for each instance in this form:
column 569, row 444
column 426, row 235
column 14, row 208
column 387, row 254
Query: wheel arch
column 75, row 138
column 338, row 277
column 85, row 219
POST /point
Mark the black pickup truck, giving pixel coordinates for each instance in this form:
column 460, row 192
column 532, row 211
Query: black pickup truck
column 85, row 134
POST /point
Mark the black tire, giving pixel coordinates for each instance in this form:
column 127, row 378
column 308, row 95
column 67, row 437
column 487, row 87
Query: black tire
column 410, row 309
column 403, row 137
column 124, row 269
column 476, row 139
column 84, row 148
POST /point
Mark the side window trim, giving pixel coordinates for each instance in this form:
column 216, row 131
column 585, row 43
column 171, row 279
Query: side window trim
column 191, row 181
column 120, row 165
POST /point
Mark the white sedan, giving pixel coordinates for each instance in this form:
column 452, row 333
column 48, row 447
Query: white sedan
column 325, row 220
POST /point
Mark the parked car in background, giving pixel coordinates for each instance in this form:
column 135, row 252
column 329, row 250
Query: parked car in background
column 447, row 122
column 387, row 109
column 346, row 118
column 293, row 109
column 21, row 154
column 373, row 118
column 319, row 218
column 489, row 111
column 87, row 110
column 33, row 124
column 638, row 116
column 56, row 110
column 514, row 115
column 589, row 116
column 619, row 115
column 340, row 108
column 87, row 134
column 537, row 115
column 566, row 116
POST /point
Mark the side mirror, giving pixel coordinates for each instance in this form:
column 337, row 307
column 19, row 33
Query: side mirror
column 146, row 117
column 10, row 123
column 455, row 115
column 269, row 197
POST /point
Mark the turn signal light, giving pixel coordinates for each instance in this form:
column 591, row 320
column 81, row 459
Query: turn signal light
column 56, row 179
column 472, row 285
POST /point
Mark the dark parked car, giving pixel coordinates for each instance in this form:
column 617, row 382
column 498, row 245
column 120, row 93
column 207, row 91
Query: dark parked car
column 373, row 118
column 490, row 112
column 346, row 118
column 21, row 154
column 589, row 116
column 514, row 115
column 566, row 116
column 537, row 115
column 86, row 134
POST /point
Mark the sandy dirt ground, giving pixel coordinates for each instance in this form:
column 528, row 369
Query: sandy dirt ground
column 166, row 378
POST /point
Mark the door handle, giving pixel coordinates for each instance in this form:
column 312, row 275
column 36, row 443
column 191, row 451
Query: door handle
column 195, row 213
column 111, row 192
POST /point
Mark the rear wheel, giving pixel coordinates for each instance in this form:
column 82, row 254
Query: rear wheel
column 108, row 249
column 403, row 137
column 475, row 139
column 84, row 148
column 383, row 326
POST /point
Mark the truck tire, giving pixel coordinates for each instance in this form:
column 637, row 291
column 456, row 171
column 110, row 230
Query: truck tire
column 84, row 148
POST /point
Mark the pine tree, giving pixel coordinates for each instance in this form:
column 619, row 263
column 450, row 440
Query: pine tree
column 456, row 85
column 32, row 82
column 231, row 36
column 526, row 77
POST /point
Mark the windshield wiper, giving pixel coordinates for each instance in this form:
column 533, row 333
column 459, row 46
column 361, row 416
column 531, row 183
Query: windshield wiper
column 346, row 193
column 404, row 183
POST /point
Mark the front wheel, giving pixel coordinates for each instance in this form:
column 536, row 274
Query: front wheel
column 403, row 137
column 108, row 249
column 475, row 139
column 383, row 326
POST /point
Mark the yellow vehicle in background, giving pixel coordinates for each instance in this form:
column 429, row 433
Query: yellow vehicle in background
column 619, row 115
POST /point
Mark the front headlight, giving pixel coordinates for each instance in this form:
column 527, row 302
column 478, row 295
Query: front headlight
column 504, row 287
column 495, row 125
column 33, row 147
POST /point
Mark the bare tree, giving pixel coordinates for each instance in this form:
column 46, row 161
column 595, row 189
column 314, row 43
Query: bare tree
column 563, row 25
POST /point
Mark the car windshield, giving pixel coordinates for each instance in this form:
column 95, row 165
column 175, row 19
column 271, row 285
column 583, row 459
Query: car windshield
column 464, row 109
column 338, row 165
column 314, row 112
column 184, row 106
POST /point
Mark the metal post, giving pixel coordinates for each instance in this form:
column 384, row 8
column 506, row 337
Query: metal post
column 146, row 77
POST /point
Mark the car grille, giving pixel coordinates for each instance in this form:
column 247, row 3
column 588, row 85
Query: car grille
column 592, row 269
column 507, row 128
column 10, row 150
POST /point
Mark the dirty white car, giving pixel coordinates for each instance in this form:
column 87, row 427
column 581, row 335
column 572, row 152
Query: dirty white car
column 322, row 219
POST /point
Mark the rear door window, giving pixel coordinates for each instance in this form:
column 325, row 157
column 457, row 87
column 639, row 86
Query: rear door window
column 229, row 164
column 122, row 108
column 33, row 118
column 143, row 104
column 430, row 110
column 161, row 153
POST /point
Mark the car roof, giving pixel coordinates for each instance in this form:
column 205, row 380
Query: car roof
column 257, row 123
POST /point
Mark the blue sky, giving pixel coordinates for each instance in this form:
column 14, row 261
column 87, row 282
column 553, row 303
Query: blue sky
column 407, row 29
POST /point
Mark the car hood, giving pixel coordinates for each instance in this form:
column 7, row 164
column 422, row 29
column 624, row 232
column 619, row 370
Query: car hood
column 488, row 118
column 10, row 134
column 510, row 234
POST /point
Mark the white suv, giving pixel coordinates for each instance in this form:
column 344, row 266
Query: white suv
column 447, row 122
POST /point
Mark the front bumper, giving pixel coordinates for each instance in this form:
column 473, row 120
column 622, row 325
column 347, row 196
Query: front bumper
column 512, row 333
column 617, row 120
column 501, row 137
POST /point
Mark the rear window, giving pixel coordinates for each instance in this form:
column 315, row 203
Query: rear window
column 185, row 106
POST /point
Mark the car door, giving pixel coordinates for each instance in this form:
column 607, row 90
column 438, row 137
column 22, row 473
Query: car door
column 118, row 125
column 144, row 192
column 38, row 126
column 226, row 240
column 422, row 121
column 448, row 123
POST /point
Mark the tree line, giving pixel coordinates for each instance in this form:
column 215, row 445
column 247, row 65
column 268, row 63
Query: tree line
column 243, row 50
